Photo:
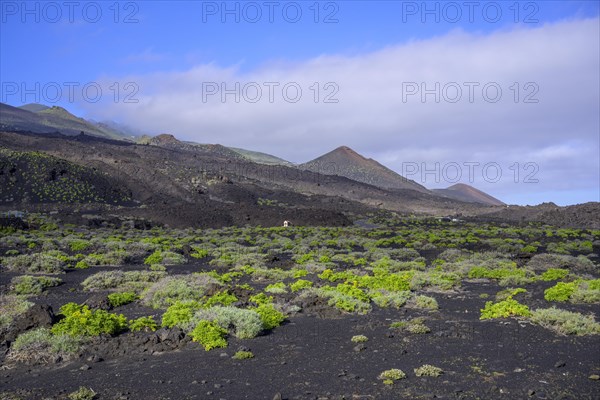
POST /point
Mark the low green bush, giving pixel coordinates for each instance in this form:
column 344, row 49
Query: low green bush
column 117, row 279
column 143, row 324
column 221, row 298
column 562, row 291
column 565, row 322
column 165, row 258
column 122, row 298
column 83, row 393
column 425, row 302
column 180, row 313
column 30, row 285
column 504, row 309
column 300, row 284
column 40, row 345
column 270, row 317
column 12, row 306
column 359, row 339
column 209, row 334
column 243, row 355
column 244, row 324
column 170, row 289
column 384, row 298
column 554, row 274
column 391, row 375
column 79, row 320
column 276, row 288
column 428, row 370
column 45, row 263
column 261, row 298
column 415, row 325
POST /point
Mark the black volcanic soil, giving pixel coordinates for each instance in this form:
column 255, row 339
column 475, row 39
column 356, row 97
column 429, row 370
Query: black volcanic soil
column 311, row 357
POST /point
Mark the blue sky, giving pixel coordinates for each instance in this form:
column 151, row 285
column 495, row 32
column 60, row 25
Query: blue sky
column 376, row 58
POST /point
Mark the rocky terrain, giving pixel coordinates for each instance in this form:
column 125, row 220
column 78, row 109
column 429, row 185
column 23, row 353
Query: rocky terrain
column 404, row 308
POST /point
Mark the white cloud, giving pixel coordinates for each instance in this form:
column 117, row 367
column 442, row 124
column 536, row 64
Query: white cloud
column 555, row 64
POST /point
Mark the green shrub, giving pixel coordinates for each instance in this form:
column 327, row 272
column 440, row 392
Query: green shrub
column 337, row 299
column 177, row 288
column 157, row 267
column 199, row 253
column 391, row 375
column 120, row 299
column 384, row 298
column 245, row 324
column 428, row 370
column 180, row 313
column 209, row 334
column 359, row 339
column 565, row 322
column 276, row 288
column 395, row 282
column 82, row 265
column 143, row 324
column 299, row 273
column 261, row 298
column 79, row 320
column 28, row 285
column 165, row 258
column 562, row 291
column 79, row 245
column 353, row 291
column 554, row 274
column 300, row 284
column 270, row 317
column 434, row 279
column 83, row 393
column 415, row 325
column 504, row 309
column 588, row 291
column 117, row 279
column 243, row 355
column 12, row 306
column 496, row 273
column 45, row 263
column 40, row 345
column 425, row 302
column 221, row 298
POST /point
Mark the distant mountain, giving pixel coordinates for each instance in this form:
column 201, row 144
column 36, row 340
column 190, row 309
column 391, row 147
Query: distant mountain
column 345, row 162
column 261, row 158
column 463, row 192
column 41, row 119
column 33, row 107
column 169, row 141
column 119, row 129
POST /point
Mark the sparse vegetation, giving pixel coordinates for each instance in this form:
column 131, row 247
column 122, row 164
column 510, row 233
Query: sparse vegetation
column 428, row 370
column 30, row 285
column 565, row 322
column 40, row 345
column 83, row 393
column 209, row 334
column 79, row 320
column 391, row 375
column 359, row 339
column 243, row 355
column 122, row 298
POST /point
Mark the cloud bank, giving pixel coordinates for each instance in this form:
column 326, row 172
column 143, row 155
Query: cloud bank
column 458, row 107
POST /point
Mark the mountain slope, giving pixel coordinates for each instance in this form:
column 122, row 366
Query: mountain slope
column 51, row 119
column 463, row 192
column 33, row 107
column 261, row 158
column 344, row 161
